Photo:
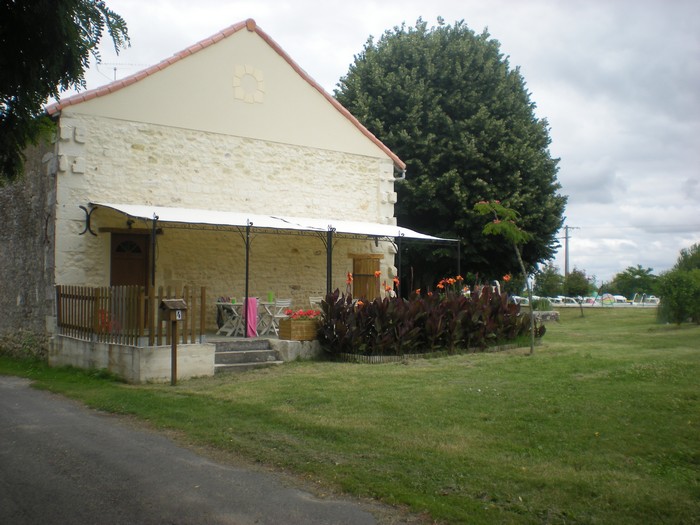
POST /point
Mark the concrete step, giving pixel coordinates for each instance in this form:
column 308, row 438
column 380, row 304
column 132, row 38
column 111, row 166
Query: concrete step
column 230, row 357
column 240, row 355
column 242, row 344
column 243, row 367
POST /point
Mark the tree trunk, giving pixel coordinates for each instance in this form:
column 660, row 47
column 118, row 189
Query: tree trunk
column 529, row 300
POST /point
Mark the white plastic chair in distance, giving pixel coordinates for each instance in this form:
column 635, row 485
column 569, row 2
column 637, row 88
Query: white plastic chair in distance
column 315, row 301
column 281, row 305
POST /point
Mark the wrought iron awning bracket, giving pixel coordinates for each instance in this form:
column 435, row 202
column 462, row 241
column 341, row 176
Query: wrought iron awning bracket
column 248, row 235
column 88, row 217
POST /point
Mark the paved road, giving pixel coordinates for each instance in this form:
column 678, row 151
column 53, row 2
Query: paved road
column 61, row 463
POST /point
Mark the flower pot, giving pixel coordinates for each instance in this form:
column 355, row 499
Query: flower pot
column 298, row 329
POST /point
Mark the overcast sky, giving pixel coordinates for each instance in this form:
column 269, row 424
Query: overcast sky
column 618, row 81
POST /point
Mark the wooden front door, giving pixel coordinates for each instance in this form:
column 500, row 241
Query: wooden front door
column 129, row 259
column 364, row 283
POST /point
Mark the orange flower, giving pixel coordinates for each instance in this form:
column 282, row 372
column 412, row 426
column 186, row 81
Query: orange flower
column 459, row 278
column 387, row 288
column 440, row 285
column 349, row 279
column 417, row 291
column 507, row 277
column 396, row 281
column 451, row 281
column 360, row 303
column 377, row 273
column 430, row 294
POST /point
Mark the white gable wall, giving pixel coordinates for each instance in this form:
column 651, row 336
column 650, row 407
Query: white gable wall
column 239, row 86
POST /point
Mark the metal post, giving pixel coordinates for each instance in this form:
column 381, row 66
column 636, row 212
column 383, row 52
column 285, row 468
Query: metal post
column 247, row 275
column 398, row 268
column 153, row 250
column 459, row 257
column 329, row 259
column 173, row 353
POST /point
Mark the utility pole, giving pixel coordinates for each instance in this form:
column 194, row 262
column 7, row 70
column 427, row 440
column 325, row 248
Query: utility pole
column 566, row 248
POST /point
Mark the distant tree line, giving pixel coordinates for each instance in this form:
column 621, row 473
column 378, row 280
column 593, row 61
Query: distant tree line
column 678, row 288
column 550, row 283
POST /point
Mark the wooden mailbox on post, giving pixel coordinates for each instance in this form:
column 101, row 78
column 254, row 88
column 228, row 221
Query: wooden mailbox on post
column 173, row 310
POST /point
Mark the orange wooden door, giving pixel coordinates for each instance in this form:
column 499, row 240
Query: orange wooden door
column 364, row 283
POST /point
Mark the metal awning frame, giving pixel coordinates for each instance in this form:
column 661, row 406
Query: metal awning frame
column 248, row 230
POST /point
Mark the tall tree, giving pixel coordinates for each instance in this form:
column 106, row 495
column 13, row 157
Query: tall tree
column 548, row 281
column 577, row 283
column 447, row 102
column 45, row 48
column 633, row 281
column 689, row 258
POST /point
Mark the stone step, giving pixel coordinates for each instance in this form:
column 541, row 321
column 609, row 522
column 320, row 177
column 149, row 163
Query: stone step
column 242, row 344
column 229, row 357
column 243, row 367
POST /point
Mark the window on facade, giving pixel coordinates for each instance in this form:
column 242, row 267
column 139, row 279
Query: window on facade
column 128, row 247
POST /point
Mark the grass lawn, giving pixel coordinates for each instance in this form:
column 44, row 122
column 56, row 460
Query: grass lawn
column 601, row 425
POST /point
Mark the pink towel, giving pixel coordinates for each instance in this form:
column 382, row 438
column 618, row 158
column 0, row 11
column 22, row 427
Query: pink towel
column 251, row 315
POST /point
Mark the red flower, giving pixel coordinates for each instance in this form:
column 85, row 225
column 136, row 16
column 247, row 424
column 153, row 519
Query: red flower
column 377, row 273
column 507, row 277
column 302, row 314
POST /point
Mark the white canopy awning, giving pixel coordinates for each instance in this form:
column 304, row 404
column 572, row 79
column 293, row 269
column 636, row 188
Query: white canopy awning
column 191, row 217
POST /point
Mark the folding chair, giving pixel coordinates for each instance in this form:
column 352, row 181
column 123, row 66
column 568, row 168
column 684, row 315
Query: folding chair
column 315, row 301
column 281, row 305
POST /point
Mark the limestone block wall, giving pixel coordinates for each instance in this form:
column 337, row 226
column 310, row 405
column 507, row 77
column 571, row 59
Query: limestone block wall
column 117, row 161
column 289, row 266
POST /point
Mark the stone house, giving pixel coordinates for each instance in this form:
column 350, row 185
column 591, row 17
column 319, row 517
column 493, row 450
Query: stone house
column 154, row 180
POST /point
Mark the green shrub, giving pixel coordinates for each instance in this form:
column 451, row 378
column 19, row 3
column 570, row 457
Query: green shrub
column 680, row 296
column 542, row 305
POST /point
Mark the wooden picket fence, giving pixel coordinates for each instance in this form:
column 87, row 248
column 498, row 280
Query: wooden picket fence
column 126, row 315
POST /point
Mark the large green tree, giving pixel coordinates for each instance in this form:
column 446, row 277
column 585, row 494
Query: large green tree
column 577, row 283
column 548, row 281
column 45, row 48
column 689, row 258
column 447, row 102
column 634, row 280
column 680, row 288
